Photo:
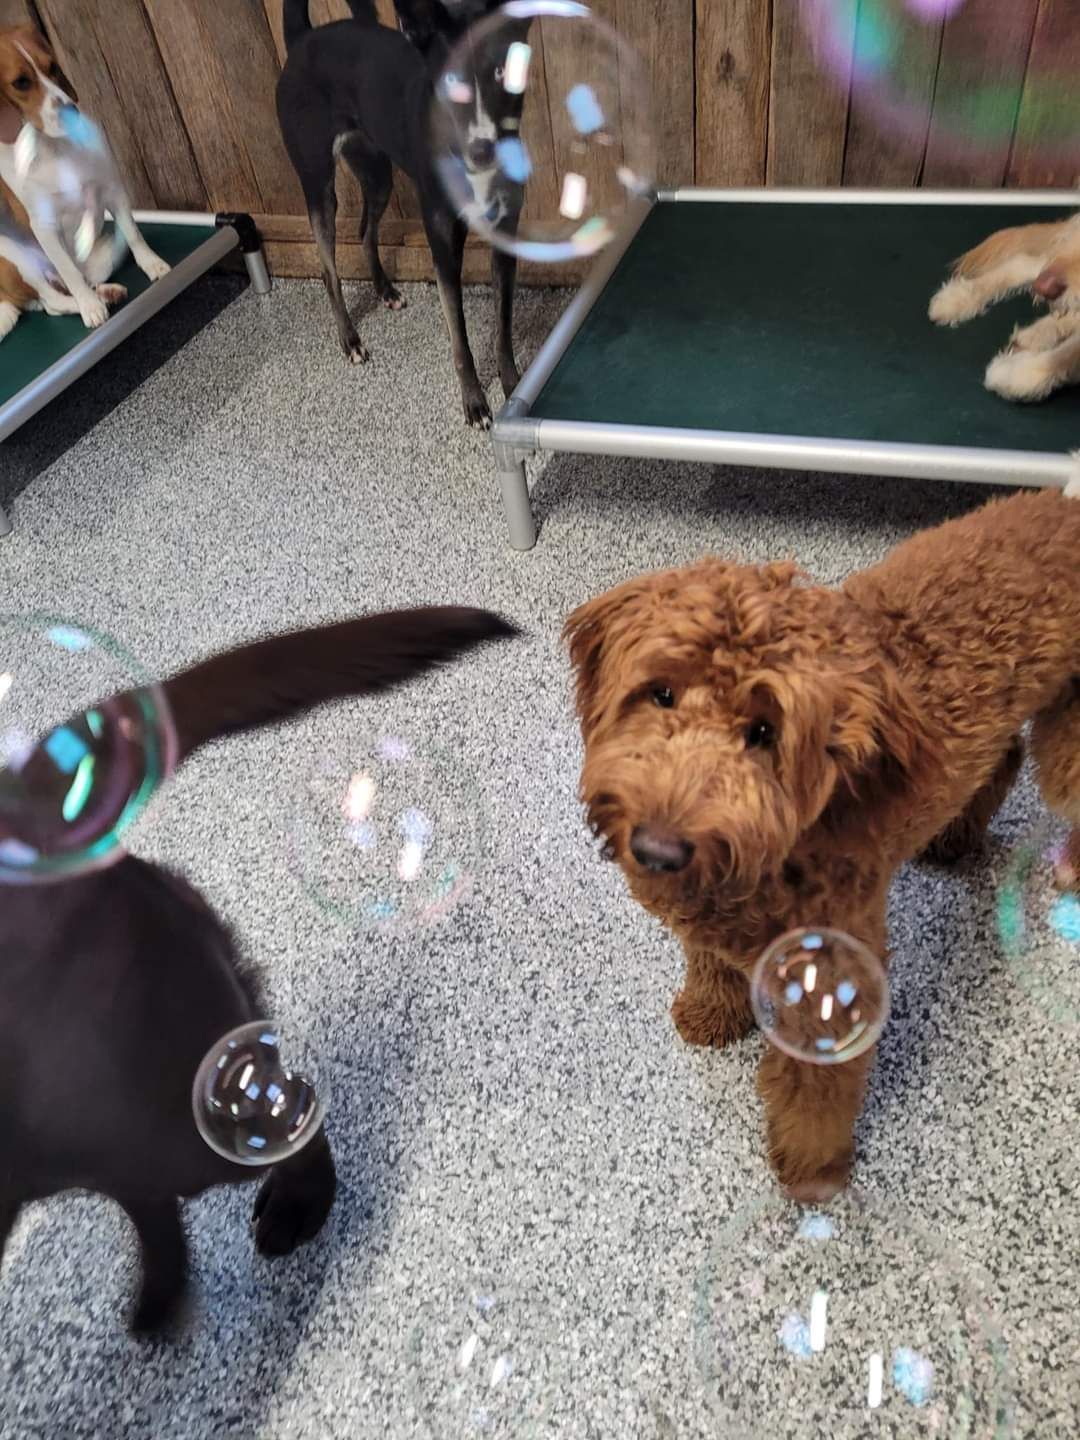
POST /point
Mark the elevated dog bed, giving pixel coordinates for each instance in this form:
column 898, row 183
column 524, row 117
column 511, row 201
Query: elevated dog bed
column 44, row 354
column 788, row 329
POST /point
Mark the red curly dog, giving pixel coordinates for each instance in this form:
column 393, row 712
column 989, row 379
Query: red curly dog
column 761, row 754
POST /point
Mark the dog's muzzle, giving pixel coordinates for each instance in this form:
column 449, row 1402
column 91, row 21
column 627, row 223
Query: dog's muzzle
column 660, row 849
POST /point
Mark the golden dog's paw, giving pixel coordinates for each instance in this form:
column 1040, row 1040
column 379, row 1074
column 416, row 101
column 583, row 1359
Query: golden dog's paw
column 821, row 1187
column 955, row 302
column 702, row 1023
column 1023, row 375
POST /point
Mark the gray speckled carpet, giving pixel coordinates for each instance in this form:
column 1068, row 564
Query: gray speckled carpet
column 554, row 1218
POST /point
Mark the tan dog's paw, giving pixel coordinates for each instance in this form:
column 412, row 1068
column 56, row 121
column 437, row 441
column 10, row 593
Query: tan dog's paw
column 1067, row 866
column 702, row 1023
column 955, row 302
column 1020, row 375
column 820, row 1188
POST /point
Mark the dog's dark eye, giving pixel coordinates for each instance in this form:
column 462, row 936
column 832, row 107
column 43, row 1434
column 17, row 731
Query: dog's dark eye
column 760, row 735
column 21, row 82
column 663, row 696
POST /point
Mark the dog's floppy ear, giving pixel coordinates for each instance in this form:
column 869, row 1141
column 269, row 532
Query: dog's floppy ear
column 587, row 634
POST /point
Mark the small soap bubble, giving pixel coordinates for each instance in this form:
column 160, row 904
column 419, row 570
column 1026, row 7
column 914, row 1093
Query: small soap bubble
column 1038, row 917
column 85, row 741
column 254, row 1104
column 486, row 1363
column 819, row 996
column 542, row 129
column 386, row 834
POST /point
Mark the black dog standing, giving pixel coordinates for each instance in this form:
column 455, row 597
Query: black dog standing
column 358, row 89
column 116, row 983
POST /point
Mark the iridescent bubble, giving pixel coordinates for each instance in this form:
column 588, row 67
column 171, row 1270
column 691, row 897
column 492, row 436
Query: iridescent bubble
column 856, row 1317
column 1038, row 917
column 66, row 182
column 542, row 129
column 820, row 996
column 251, row 1103
column 85, row 740
column 960, row 76
column 387, row 833
column 487, row 1364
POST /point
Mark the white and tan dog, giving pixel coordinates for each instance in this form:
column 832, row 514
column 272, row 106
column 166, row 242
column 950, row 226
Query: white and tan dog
column 34, row 92
column 1044, row 260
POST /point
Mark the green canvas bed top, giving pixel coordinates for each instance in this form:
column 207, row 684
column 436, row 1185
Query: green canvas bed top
column 45, row 354
column 788, row 329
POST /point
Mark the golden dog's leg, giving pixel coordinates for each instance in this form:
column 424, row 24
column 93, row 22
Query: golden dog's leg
column 1006, row 261
column 1035, row 374
column 810, row 1114
column 713, row 1007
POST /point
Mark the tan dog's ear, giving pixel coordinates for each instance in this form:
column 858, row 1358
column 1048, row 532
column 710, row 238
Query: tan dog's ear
column 11, row 123
column 875, row 725
column 587, row 632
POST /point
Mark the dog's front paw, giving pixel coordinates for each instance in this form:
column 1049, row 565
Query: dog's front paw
column 700, row 1022
column 1020, row 375
column 112, row 294
column 477, row 409
column 160, row 1311
column 152, row 266
column 819, row 1188
column 955, row 302
column 94, row 311
column 354, row 350
column 293, row 1203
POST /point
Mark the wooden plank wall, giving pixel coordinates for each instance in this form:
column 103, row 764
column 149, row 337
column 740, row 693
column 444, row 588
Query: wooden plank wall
column 746, row 92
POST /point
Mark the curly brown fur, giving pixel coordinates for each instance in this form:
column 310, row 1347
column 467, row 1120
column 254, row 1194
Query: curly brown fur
column 762, row 754
column 117, row 983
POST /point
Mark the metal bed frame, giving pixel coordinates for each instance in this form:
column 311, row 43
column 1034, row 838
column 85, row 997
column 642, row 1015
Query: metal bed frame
column 230, row 232
column 518, row 435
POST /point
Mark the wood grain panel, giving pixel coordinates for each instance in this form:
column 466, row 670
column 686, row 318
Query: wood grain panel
column 223, row 67
column 808, row 103
column 662, row 33
column 16, row 12
column 887, row 145
column 980, row 80
column 1050, row 98
column 732, row 50
column 108, row 50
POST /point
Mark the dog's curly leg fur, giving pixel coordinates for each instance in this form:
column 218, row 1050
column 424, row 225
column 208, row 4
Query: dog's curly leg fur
column 810, row 1114
column 713, row 1007
column 965, row 834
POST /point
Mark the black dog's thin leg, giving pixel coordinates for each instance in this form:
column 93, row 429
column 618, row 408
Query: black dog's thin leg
column 446, row 236
column 295, row 1199
column 9, row 1212
column 164, row 1260
column 376, row 177
column 322, row 212
column 503, row 275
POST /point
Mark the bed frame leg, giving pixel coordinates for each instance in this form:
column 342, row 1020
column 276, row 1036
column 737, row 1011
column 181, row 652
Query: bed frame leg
column 258, row 274
column 515, row 497
column 5, row 523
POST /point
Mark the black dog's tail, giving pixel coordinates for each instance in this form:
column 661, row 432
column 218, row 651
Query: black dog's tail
column 296, row 21
column 285, row 675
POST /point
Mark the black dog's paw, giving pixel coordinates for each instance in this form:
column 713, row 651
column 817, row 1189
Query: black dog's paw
column 477, row 411
column 159, row 1313
column 291, row 1209
column 392, row 297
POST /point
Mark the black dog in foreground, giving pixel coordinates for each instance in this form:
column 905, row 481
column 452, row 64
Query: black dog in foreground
column 361, row 90
column 116, row 983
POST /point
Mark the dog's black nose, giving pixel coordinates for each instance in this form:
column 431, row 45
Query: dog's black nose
column 481, row 154
column 659, row 848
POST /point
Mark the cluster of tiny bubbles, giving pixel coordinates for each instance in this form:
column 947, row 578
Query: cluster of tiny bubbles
column 253, row 1106
column 486, row 1364
column 85, row 740
column 542, row 130
column 1038, row 917
column 886, row 52
column 387, row 833
column 852, row 1315
column 64, row 182
column 819, row 996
